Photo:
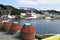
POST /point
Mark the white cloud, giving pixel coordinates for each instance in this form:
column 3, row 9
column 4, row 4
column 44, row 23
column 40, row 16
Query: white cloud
column 26, row 2
column 48, row 1
column 37, row 2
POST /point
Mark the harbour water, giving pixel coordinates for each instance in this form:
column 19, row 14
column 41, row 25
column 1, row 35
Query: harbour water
column 43, row 26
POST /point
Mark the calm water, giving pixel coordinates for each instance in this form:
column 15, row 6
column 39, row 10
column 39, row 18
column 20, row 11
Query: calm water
column 43, row 26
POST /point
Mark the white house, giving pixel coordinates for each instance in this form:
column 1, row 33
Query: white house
column 22, row 14
column 28, row 15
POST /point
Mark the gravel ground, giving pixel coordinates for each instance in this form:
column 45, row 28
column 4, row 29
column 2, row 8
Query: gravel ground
column 4, row 36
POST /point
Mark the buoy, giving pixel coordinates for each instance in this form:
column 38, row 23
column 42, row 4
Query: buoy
column 6, row 25
column 1, row 22
column 27, row 32
column 14, row 27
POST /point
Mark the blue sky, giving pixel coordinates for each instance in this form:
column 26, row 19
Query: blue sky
column 38, row 4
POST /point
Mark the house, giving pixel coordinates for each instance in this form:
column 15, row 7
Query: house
column 51, row 14
column 22, row 14
column 28, row 15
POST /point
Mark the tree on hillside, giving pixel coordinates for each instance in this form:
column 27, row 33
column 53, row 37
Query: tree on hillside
column 53, row 11
column 12, row 10
column 22, row 10
column 15, row 12
column 2, row 6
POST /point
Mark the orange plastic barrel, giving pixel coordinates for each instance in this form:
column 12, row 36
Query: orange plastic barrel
column 27, row 32
column 1, row 22
column 14, row 27
column 6, row 25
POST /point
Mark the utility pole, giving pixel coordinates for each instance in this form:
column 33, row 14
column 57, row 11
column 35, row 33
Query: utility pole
column 9, row 9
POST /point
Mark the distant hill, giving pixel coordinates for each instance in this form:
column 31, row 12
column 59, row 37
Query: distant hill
column 28, row 9
column 50, row 11
column 15, row 11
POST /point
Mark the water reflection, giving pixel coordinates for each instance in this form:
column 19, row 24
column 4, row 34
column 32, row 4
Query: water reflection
column 43, row 26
